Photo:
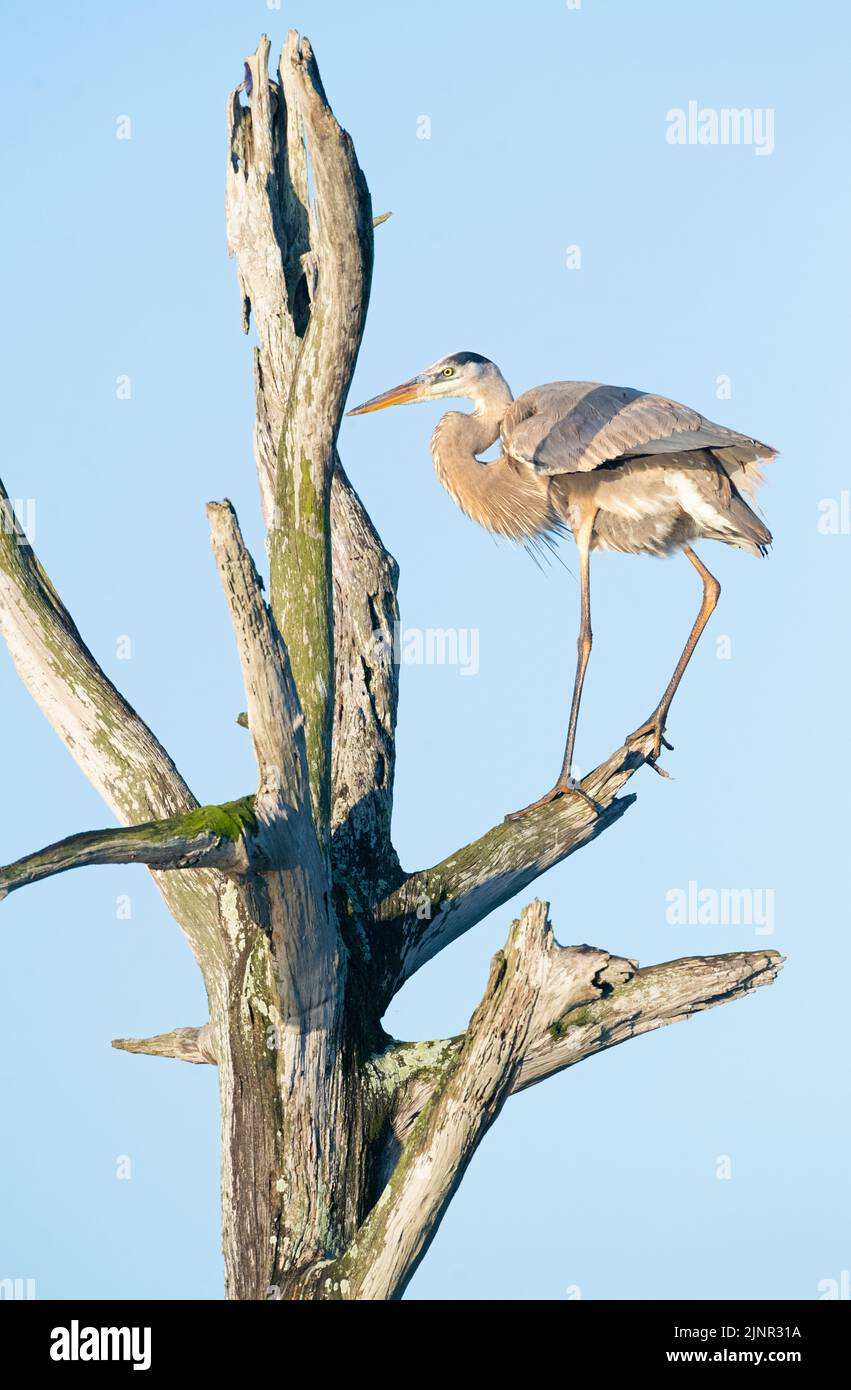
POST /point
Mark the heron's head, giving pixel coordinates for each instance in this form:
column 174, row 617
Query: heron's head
column 460, row 374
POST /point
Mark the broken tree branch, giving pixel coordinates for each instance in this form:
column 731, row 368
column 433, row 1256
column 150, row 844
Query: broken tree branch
column 274, row 715
column 210, row 837
column 184, row 1044
column 304, row 272
column 266, row 208
column 641, row 1001
column 433, row 907
column 545, row 1007
column 339, row 275
column 115, row 750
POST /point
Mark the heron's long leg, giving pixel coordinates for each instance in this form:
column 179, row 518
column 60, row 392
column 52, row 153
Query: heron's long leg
column 711, row 590
column 583, row 644
column 566, row 783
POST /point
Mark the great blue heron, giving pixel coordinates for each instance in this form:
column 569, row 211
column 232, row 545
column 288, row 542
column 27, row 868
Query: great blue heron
column 624, row 470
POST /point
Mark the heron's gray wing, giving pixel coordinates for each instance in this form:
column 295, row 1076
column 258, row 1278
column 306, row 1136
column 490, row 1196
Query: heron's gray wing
column 576, row 426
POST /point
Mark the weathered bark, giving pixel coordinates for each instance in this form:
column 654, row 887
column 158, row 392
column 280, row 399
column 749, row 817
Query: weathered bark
column 433, row 907
column 116, row 751
column 545, row 1007
column 212, row 836
column 283, row 1030
column 305, row 272
column 366, row 689
column 184, row 1044
column 341, row 1147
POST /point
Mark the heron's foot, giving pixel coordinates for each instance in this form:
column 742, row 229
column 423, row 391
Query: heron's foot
column 655, row 725
column 565, row 786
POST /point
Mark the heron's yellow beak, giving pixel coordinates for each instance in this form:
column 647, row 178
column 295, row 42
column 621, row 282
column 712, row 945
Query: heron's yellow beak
column 412, row 390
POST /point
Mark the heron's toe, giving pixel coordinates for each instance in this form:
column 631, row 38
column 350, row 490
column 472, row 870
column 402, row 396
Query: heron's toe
column 656, row 727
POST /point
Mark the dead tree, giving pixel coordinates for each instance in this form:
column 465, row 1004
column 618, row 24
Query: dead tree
column 341, row 1146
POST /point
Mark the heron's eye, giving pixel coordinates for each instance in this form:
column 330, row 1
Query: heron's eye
column 448, row 371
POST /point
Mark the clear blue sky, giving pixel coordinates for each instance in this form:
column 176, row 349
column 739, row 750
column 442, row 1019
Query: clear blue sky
column 697, row 262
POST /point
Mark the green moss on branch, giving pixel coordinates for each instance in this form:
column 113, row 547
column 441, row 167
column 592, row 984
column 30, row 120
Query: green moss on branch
column 178, row 842
column 230, row 821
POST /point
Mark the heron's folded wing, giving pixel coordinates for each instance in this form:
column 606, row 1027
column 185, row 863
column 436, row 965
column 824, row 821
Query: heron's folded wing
column 576, row 426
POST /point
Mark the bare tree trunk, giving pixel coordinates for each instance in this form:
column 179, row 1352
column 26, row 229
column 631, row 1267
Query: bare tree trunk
column 341, row 1147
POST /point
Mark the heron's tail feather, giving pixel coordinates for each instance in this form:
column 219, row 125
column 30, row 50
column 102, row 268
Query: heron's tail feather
column 744, row 466
column 751, row 532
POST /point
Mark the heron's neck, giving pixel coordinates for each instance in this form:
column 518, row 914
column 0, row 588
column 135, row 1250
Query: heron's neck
column 495, row 494
column 460, row 436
